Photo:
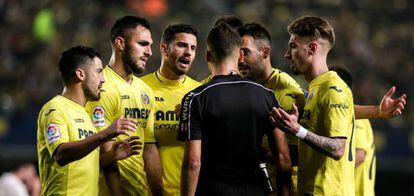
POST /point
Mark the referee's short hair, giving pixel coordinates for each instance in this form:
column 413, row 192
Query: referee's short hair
column 126, row 23
column 222, row 40
column 171, row 30
column 74, row 58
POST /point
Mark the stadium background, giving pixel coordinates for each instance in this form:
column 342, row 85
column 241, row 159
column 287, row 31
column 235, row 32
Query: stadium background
column 375, row 42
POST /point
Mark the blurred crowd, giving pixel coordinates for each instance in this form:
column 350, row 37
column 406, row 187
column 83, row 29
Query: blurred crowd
column 375, row 42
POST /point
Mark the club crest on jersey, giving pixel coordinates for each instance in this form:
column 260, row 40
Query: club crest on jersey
column 144, row 98
column 52, row 132
column 98, row 116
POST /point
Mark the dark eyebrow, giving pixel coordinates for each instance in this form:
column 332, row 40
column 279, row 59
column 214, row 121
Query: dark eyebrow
column 144, row 43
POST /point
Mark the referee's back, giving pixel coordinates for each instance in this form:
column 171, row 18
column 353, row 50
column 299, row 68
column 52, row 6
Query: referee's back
column 229, row 115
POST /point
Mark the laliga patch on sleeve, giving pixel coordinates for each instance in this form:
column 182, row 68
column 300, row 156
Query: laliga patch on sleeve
column 98, row 116
column 52, row 132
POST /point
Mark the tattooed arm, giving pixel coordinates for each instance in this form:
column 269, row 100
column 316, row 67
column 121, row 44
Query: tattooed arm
column 332, row 147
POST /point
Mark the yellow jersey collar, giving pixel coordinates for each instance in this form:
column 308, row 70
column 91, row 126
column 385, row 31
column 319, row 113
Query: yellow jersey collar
column 169, row 82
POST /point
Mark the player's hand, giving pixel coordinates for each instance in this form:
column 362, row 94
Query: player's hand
column 122, row 126
column 390, row 107
column 285, row 121
column 125, row 148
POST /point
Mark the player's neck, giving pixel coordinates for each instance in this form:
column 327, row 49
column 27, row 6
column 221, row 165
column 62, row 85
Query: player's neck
column 317, row 68
column 75, row 94
column 266, row 74
column 119, row 67
column 224, row 67
column 168, row 73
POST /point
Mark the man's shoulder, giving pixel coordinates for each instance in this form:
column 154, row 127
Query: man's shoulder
column 149, row 78
column 191, row 82
column 284, row 79
column 142, row 85
column 57, row 103
column 54, row 108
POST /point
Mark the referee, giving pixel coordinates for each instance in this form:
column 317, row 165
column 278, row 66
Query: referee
column 223, row 123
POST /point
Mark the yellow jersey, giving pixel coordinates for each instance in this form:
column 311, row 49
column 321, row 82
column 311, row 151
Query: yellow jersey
column 365, row 172
column 207, row 79
column 168, row 94
column 329, row 112
column 62, row 120
column 135, row 100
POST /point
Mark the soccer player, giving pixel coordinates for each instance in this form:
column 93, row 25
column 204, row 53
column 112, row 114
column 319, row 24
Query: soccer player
column 67, row 141
column 365, row 161
column 223, row 123
column 128, row 96
column 327, row 150
column 170, row 84
column 256, row 66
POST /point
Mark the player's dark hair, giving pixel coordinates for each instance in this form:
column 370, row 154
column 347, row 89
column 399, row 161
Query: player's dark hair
column 171, row 30
column 126, row 23
column 231, row 20
column 343, row 74
column 312, row 26
column 74, row 58
column 222, row 40
column 255, row 30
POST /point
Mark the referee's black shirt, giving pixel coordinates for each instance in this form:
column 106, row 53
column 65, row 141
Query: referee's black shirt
column 230, row 115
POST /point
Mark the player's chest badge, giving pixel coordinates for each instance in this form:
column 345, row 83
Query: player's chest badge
column 144, row 98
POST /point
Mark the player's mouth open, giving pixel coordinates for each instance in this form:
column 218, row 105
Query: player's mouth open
column 183, row 60
column 144, row 60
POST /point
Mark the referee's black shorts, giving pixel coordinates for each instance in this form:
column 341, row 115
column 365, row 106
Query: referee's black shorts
column 226, row 189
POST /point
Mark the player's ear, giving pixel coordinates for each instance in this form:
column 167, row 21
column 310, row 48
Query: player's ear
column 265, row 52
column 80, row 74
column 119, row 43
column 241, row 56
column 313, row 47
column 164, row 49
column 209, row 56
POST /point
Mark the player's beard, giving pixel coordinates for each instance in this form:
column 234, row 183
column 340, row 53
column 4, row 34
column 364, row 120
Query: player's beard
column 179, row 70
column 129, row 62
column 89, row 94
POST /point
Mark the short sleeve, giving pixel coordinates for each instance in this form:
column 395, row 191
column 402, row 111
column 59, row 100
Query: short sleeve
column 190, row 119
column 54, row 129
column 336, row 108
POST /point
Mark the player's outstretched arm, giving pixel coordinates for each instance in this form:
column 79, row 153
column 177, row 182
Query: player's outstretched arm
column 332, row 147
column 191, row 167
column 280, row 150
column 72, row 151
column 153, row 168
column 388, row 108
